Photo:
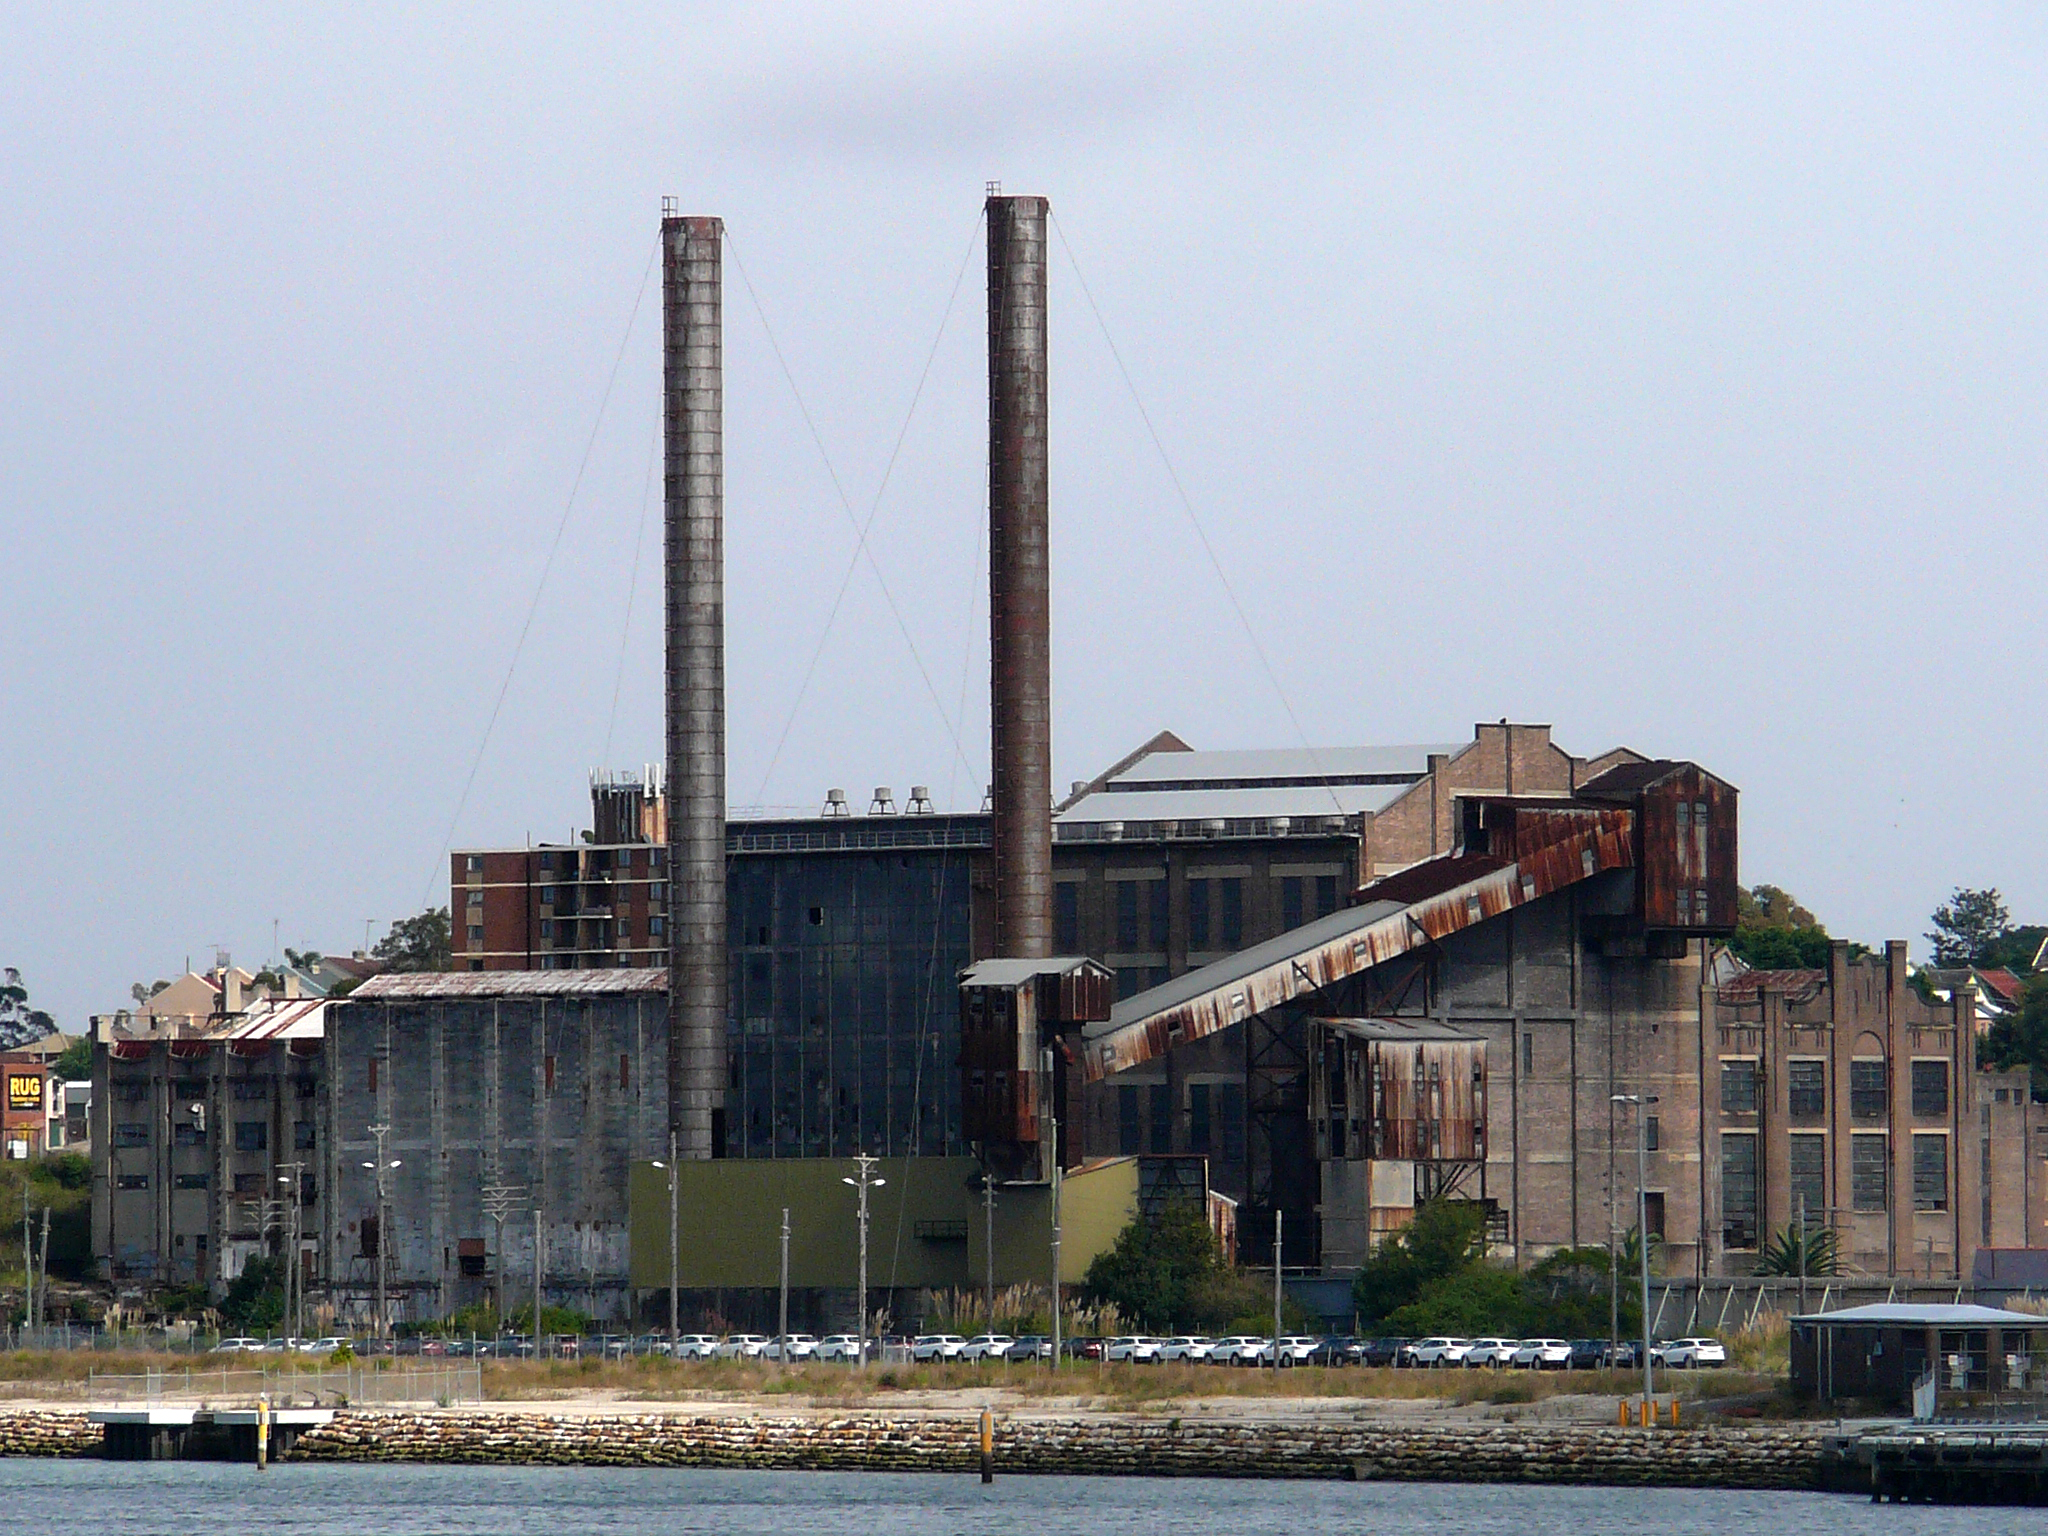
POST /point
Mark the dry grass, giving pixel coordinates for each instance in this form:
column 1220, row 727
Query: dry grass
column 654, row 1379
column 62, row 1373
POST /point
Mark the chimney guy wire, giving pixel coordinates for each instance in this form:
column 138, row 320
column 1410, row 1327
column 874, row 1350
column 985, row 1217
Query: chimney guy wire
column 861, row 530
column 440, row 871
column 1188, row 506
column 632, row 587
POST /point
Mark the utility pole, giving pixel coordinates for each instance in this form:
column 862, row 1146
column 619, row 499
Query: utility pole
column 1054, row 1119
column 43, row 1273
column 540, row 1248
column 672, row 1238
column 289, row 1175
column 1276, row 1288
column 782, row 1313
column 988, row 1243
column 1802, row 1253
column 382, row 1168
column 500, row 1200
column 865, row 1182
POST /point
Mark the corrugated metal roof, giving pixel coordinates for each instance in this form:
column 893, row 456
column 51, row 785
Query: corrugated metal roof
column 1193, row 805
column 1010, row 973
column 1221, row 974
column 1564, row 848
column 1938, row 1314
column 1400, row 1029
column 1191, row 768
column 430, row 984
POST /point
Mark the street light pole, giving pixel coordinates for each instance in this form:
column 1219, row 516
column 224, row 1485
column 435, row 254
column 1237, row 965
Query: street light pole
column 864, row 1182
column 782, row 1313
column 1642, row 1103
column 1276, row 1288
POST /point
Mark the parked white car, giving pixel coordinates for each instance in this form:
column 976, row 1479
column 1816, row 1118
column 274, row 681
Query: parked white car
column 839, row 1346
column 696, row 1346
column 1237, row 1349
column 1188, row 1347
column 1543, row 1354
column 987, row 1346
column 798, row 1346
column 936, row 1346
column 1490, row 1352
column 1689, row 1354
column 742, row 1346
column 1132, row 1349
column 238, row 1346
column 1437, row 1352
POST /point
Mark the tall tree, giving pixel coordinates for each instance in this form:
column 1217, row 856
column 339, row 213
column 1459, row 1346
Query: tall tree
column 19, row 1023
column 417, row 943
column 1968, row 927
column 1773, row 932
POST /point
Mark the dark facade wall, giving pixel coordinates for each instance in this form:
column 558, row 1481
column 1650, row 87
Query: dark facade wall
column 556, row 1095
column 1566, row 1028
column 173, row 1191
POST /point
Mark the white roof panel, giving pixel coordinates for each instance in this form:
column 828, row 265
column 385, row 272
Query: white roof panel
column 1228, row 804
column 1191, row 768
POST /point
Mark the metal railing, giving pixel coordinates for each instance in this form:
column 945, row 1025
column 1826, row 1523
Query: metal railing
column 331, row 1387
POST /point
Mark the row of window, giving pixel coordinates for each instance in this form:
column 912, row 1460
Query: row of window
column 1215, row 1119
column 600, row 858
column 1807, row 1165
column 1142, row 915
column 252, row 1184
column 250, row 1135
column 1806, row 1088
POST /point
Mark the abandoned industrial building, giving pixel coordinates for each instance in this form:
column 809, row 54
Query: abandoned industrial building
column 1306, row 988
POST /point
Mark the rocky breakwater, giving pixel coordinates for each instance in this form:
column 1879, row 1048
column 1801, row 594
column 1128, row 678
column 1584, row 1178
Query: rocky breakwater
column 1788, row 1457
column 34, row 1433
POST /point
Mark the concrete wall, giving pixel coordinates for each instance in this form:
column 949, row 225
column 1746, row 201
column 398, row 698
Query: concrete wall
column 556, row 1095
column 925, row 1224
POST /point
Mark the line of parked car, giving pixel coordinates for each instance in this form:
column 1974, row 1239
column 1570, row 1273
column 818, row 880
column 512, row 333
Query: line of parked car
column 1240, row 1349
column 1555, row 1354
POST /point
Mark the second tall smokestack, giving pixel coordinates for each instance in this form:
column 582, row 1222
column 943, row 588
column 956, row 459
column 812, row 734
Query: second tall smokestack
column 693, row 393
column 1019, row 573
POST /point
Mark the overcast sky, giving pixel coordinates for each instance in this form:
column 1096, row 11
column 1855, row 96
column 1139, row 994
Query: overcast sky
column 1670, row 374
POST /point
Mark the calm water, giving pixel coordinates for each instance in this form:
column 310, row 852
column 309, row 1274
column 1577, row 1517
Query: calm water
column 85, row 1498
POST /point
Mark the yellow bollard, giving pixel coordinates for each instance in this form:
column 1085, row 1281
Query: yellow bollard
column 262, row 1431
column 988, row 1445
column 1674, row 1413
column 1621, row 1403
column 1648, row 1414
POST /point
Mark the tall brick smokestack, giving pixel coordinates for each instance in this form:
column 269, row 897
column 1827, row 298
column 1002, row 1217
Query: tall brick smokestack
column 1020, row 594
column 693, row 387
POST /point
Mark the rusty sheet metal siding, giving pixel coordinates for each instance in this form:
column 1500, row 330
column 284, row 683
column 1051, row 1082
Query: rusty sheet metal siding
column 998, row 1078
column 1422, row 1101
column 1680, row 857
column 1586, row 843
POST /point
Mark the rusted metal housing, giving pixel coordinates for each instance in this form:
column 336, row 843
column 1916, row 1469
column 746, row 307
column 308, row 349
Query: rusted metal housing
column 1009, row 1011
column 1551, row 848
column 1413, row 1090
column 1399, row 1112
column 1686, row 872
column 694, row 579
column 1019, row 576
